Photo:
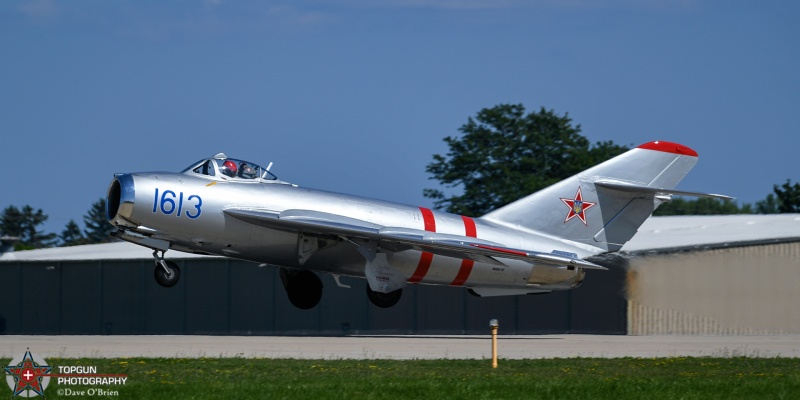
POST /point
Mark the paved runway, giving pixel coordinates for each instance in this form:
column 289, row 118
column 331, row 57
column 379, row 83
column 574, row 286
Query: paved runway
column 400, row 347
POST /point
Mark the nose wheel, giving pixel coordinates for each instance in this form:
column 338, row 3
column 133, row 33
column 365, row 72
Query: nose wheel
column 166, row 272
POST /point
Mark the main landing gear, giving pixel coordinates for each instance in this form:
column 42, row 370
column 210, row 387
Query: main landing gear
column 384, row 300
column 167, row 273
column 303, row 287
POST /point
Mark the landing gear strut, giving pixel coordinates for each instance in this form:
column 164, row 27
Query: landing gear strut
column 167, row 273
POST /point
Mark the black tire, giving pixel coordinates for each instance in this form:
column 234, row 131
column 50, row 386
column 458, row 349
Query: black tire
column 384, row 300
column 163, row 278
column 304, row 289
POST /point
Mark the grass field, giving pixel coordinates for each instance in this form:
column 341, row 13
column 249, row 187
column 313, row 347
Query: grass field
column 583, row 378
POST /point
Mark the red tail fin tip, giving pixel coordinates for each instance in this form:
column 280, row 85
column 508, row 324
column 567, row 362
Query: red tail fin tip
column 669, row 147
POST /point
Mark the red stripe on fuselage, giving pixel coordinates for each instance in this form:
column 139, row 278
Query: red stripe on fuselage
column 466, row 265
column 424, row 264
column 427, row 217
column 426, row 258
column 463, row 272
column 469, row 227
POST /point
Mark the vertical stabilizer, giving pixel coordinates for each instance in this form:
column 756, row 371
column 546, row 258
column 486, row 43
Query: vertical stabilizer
column 604, row 205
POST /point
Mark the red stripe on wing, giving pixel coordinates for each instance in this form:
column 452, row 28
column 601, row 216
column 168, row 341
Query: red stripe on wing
column 500, row 249
column 466, row 265
column 426, row 258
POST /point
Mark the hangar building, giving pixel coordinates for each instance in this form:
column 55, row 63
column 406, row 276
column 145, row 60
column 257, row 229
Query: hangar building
column 713, row 275
column 679, row 275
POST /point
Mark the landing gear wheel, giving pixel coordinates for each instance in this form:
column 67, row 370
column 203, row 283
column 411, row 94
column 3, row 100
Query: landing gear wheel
column 167, row 278
column 303, row 287
column 384, row 300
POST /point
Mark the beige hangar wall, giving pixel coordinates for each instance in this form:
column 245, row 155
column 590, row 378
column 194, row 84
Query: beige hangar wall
column 740, row 290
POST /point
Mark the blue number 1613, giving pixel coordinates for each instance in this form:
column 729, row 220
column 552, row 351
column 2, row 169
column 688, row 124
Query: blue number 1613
column 168, row 205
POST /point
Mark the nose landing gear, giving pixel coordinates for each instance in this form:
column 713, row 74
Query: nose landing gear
column 167, row 273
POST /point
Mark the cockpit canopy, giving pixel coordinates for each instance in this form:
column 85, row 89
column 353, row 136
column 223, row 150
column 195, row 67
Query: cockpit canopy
column 230, row 169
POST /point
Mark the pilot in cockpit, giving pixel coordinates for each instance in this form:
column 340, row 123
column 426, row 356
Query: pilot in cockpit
column 246, row 171
column 228, row 168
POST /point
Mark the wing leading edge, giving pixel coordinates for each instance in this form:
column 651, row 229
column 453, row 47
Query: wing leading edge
column 397, row 239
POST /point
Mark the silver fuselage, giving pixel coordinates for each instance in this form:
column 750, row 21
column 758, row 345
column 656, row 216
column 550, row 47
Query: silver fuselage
column 184, row 211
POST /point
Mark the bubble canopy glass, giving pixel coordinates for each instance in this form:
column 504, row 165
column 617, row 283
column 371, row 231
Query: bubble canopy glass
column 221, row 166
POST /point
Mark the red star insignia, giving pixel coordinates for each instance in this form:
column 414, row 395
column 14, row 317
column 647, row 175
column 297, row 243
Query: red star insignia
column 28, row 375
column 577, row 207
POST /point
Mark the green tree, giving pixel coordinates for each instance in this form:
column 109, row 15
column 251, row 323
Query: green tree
column 98, row 230
column 24, row 224
column 11, row 221
column 702, row 206
column 72, row 235
column 788, row 197
column 504, row 154
column 767, row 206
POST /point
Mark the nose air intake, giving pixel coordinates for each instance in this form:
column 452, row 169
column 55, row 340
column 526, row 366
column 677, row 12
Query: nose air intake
column 120, row 199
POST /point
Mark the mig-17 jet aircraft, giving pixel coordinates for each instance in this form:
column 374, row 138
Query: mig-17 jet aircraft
column 540, row 243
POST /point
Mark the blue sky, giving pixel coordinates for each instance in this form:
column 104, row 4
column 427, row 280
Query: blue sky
column 356, row 96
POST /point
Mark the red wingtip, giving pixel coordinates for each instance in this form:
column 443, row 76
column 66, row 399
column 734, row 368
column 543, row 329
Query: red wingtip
column 669, row 147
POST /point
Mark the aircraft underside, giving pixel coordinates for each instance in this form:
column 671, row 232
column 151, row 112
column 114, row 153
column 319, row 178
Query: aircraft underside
column 315, row 254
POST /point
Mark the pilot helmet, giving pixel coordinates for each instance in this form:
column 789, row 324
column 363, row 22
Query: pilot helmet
column 229, row 168
column 247, row 170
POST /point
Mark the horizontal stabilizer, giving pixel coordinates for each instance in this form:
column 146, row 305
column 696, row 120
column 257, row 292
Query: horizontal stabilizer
column 632, row 188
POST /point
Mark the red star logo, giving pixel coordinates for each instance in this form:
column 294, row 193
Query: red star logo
column 28, row 375
column 577, row 207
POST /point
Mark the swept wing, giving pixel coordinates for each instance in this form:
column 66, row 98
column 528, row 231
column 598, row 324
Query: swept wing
column 398, row 238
